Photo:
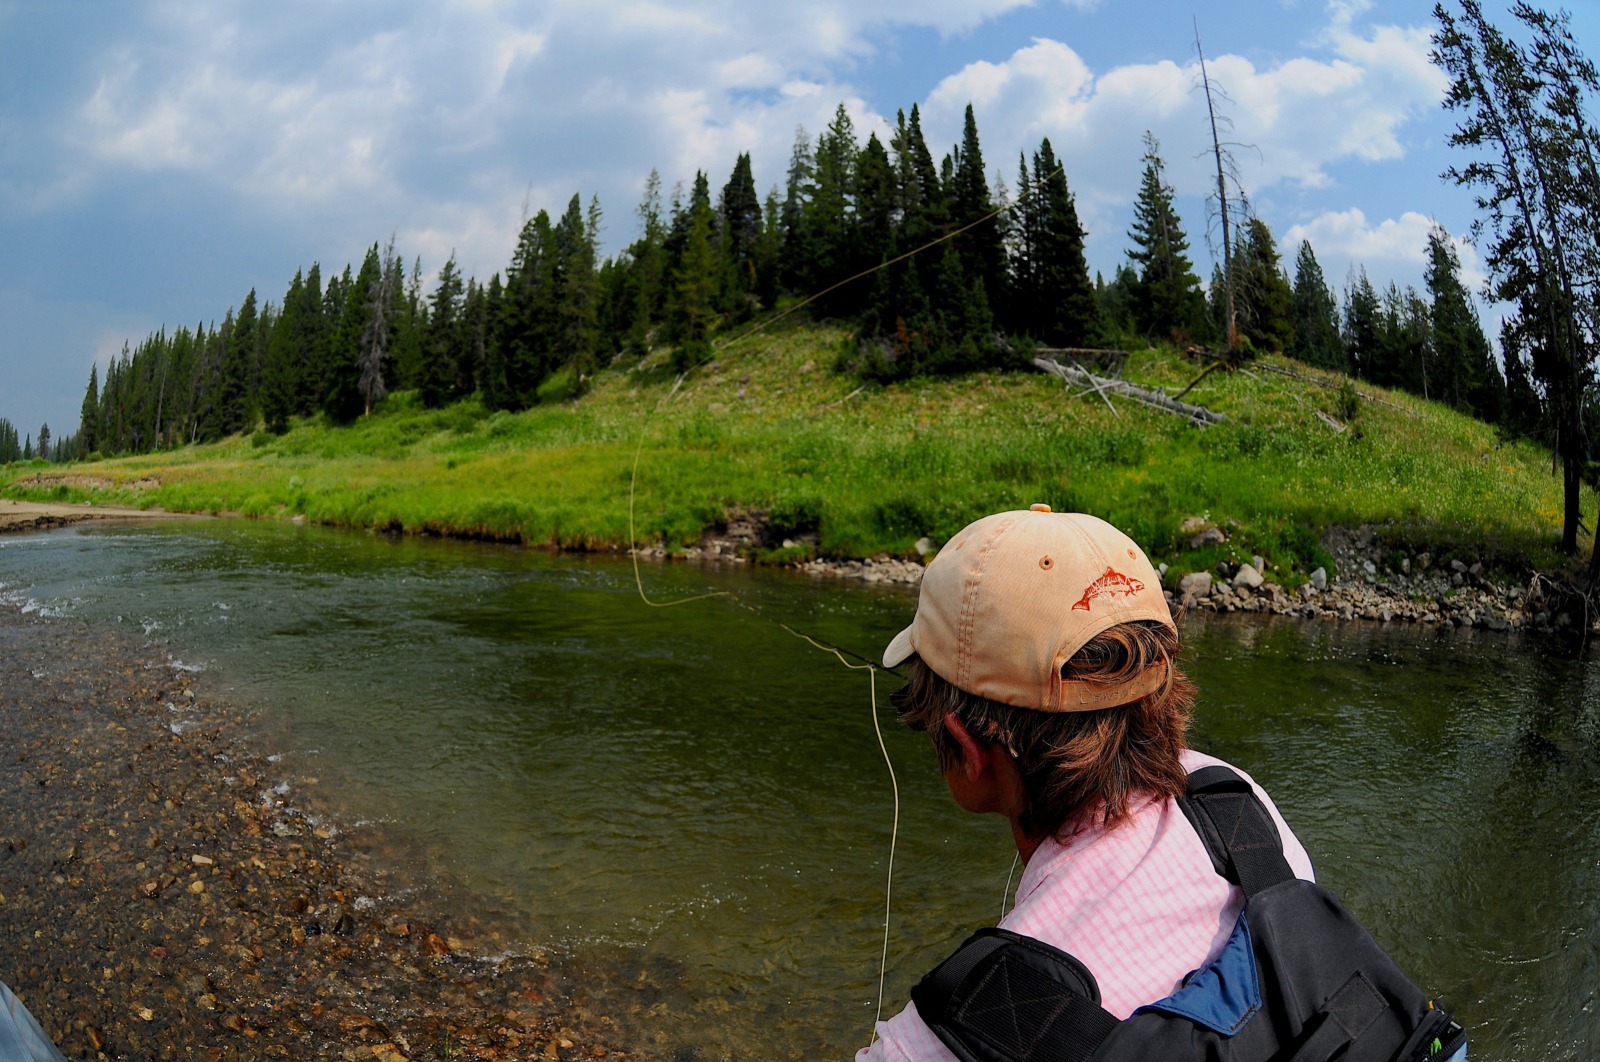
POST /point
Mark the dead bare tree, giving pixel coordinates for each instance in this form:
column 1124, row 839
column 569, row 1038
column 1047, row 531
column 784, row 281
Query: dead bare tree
column 1227, row 171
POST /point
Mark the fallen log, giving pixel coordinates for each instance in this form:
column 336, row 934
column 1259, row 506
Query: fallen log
column 1072, row 374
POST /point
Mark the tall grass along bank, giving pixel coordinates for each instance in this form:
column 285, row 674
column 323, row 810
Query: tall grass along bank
column 839, row 470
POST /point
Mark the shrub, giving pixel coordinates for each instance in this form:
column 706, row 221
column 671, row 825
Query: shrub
column 1347, row 401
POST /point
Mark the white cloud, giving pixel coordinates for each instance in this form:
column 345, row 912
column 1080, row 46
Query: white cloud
column 435, row 121
column 514, row 48
column 1047, row 80
column 1348, row 233
column 1302, row 115
column 1391, row 248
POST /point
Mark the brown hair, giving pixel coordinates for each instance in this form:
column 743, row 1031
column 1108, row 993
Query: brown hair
column 1077, row 767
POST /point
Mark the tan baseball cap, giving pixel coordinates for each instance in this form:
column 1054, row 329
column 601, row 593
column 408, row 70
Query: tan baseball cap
column 1013, row 596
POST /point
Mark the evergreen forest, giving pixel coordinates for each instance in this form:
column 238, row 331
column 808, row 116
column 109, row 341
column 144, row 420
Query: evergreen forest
column 935, row 268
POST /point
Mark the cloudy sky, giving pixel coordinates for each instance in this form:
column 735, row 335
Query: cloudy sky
column 160, row 158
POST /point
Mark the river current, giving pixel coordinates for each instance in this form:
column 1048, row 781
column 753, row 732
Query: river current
column 695, row 794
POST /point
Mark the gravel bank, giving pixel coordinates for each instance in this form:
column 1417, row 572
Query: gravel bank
column 158, row 901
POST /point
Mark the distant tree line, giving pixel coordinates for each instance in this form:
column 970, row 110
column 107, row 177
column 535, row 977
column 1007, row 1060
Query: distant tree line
column 15, row 446
column 937, row 270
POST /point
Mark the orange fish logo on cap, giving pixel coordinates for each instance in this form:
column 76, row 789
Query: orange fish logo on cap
column 1112, row 583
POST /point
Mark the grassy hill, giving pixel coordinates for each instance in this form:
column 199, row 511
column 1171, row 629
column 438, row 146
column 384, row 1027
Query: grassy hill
column 860, row 471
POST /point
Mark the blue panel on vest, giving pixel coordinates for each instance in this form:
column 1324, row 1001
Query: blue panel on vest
column 1223, row 995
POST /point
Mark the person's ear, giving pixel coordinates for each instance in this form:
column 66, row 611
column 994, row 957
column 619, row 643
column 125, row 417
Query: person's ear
column 974, row 756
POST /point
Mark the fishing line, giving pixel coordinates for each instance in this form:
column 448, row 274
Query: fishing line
column 839, row 652
column 1005, row 893
column 633, row 547
column 894, row 831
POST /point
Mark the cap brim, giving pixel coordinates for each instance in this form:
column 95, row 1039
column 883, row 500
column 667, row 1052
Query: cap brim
column 900, row 650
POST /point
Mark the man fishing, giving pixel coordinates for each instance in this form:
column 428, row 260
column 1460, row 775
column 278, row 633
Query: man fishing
column 1044, row 668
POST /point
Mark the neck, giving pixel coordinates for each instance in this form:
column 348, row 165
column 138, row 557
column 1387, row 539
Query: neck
column 1026, row 844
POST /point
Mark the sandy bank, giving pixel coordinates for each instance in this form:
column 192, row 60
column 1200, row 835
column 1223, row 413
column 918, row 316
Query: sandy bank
column 37, row 516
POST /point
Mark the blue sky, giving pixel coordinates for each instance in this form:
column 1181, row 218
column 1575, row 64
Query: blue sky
column 160, row 158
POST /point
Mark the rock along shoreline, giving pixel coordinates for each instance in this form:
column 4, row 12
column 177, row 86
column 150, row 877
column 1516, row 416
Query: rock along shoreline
column 1420, row 588
column 1392, row 587
column 1370, row 586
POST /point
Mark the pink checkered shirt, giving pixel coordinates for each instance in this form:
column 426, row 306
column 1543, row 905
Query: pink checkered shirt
column 1140, row 906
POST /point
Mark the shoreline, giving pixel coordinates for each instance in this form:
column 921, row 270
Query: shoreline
column 1448, row 591
column 158, row 899
column 1445, row 590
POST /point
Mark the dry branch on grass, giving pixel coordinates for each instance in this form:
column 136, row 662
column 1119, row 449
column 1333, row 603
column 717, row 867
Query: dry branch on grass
column 1073, row 374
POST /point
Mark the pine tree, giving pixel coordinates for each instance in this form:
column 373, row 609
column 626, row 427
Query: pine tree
column 1054, row 299
column 89, row 413
column 278, row 368
column 492, row 383
column 831, row 239
column 309, row 342
column 1315, row 315
column 527, row 318
column 1360, row 331
column 769, row 251
column 1114, row 301
column 1524, row 412
column 1262, row 296
column 694, row 311
column 341, row 399
column 1403, row 343
column 981, row 247
column 208, row 390
column 44, row 441
column 382, row 296
column 797, row 264
column 575, row 294
column 444, row 342
column 1527, row 109
column 238, row 368
column 1467, row 377
column 741, row 233
column 410, row 322
column 1167, row 300
column 902, row 329
column 473, row 366
column 649, row 269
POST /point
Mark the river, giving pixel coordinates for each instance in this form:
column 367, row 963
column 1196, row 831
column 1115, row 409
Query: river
column 694, row 796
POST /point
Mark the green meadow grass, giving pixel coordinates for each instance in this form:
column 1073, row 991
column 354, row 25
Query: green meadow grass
column 872, row 469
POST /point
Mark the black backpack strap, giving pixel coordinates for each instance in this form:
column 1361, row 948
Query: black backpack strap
column 1236, row 828
column 1345, row 1016
column 1005, row 997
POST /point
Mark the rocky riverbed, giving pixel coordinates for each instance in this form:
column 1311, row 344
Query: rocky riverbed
column 160, row 898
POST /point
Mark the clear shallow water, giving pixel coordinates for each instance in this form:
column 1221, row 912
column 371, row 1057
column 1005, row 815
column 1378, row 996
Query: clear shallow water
column 697, row 795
